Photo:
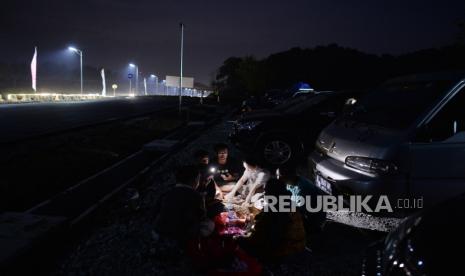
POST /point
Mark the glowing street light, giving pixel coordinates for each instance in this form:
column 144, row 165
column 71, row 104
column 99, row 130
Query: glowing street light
column 79, row 52
column 137, row 76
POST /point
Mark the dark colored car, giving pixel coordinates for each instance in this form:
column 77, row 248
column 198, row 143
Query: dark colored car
column 431, row 242
column 269, row 100
column 289, row 130
column 276, row 97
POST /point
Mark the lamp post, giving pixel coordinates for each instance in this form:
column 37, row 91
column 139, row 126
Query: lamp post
column 79, row 52
column 114, row 86
column 137, row 77
column 180, row 79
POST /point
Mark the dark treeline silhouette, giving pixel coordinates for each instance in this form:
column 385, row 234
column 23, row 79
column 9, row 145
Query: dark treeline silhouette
column 330, row 67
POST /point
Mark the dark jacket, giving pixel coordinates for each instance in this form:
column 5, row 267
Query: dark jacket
column 276, row 235
column 181, row 212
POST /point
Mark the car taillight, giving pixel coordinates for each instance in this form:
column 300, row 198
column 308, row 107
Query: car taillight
column 371, row 165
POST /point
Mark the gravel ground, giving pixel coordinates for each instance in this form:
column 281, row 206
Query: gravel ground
column 122, row 243
column 364, row 221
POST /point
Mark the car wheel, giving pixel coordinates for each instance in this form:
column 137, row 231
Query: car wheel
column 277, row 151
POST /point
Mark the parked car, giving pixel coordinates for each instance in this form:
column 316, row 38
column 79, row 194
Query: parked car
column 289, row 130
column 404, row 139
column 275, row 97
column 430, row 242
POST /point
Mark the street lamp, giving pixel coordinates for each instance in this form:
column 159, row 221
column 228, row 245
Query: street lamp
column 156, row 83
column 79, row 52
column 137, row 76
column 180, row 77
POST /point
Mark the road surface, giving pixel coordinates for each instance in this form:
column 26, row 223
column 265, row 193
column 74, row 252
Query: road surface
column 21, row 121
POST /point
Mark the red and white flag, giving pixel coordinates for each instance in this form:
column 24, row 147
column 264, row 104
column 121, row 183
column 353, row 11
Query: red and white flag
column 34, row 70
column 104, row 84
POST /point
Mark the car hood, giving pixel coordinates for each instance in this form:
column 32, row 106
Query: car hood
column 260, row 115
column 342, row 139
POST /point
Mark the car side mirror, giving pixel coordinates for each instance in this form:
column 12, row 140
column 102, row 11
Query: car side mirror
column 348, row 105
column 350, row 101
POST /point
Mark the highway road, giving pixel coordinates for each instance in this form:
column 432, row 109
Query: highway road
column 22, row 121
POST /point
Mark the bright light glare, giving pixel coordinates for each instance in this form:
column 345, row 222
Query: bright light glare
column 132, row 65
column 152, row 76
column 72, row 49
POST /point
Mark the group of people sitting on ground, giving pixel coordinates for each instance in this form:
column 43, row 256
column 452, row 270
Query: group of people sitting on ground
column 208, row 188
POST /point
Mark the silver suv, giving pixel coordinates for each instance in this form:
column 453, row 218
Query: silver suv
column 404, row 139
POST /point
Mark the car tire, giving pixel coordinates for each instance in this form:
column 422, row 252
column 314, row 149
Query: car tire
column 275, row 151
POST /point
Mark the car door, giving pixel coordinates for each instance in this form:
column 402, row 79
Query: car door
column 438, row 154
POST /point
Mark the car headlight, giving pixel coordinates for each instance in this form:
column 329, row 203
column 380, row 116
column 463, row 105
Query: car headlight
column 370, row 165
column 248, row 125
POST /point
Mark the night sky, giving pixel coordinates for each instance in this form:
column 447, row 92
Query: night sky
column 113, row 33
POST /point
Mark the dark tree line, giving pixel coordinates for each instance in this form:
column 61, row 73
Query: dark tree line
column 330, row 67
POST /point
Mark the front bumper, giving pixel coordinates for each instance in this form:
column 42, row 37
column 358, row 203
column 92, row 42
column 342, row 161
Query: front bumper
column 347, row 181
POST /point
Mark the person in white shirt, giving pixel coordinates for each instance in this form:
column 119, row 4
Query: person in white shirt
column 251, row 184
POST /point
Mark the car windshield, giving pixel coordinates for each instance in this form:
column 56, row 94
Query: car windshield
column 398, row 105
column 299, row 106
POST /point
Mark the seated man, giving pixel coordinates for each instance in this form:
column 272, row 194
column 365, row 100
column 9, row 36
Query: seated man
column 182, row 213
column 276, row 234
column 251, row 184
column 226, row 170
column 300, row 187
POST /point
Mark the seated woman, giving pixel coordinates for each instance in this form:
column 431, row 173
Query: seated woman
column 276, row 234
column 251, row 184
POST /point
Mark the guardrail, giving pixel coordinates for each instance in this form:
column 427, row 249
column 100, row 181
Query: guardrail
column 50, row 97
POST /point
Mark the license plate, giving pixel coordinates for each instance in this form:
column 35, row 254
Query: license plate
column 323, row 184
